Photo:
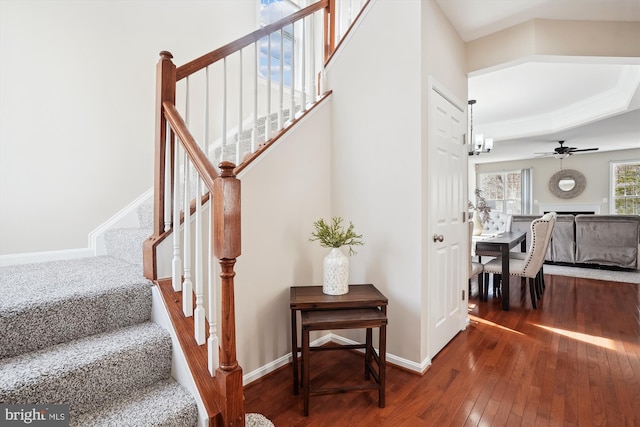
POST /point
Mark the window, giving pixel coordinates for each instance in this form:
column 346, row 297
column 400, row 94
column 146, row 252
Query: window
column 625, row 188
column 278, row 53
column 508, row 191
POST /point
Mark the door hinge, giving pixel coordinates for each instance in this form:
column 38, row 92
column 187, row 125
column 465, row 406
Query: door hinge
column 463, row 294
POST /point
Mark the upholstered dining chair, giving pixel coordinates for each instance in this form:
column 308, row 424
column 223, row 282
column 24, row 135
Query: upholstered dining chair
column 475, row 268
column 548, row 242
column 530, row 266
column 498, row 222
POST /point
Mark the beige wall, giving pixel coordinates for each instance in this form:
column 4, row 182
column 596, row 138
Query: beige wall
column 380, row 84
column 542, row 37
column 443, row 60
column 282, row 195
column 375, row 159
column 77, row 80
column 594, row 166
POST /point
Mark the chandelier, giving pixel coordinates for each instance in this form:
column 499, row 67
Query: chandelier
column 478, row 144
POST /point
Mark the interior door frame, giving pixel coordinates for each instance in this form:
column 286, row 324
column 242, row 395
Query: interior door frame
column 434, row 87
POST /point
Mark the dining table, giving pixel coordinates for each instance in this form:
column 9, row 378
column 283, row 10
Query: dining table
column 499, row 246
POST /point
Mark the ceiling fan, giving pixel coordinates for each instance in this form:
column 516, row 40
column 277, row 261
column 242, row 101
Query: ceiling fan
column 563, row 152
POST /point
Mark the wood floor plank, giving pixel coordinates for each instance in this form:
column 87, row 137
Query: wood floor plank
column 573, row 362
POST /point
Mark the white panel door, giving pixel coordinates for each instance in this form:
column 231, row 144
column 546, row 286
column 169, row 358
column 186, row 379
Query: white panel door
column 447, row 231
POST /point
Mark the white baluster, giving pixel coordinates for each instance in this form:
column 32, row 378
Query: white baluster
column 256, row 70
column 176, row 263
column 213, row 351
column 267, row 123
column 167, row 178
column 293, row 73
column 198, row 315
column 303, row 71
column 239, row 111
column 187, row 285
column 338, row 22
column 281, row 87
column 206, row 111
column 224, row 108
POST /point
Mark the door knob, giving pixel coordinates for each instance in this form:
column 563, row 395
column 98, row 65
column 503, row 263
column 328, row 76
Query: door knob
column 438, row 238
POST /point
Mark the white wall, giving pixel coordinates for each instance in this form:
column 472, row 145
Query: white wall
column 443, row 57
column 378, row 162
column 76, row 113
column 283, row 193
column 594, row 166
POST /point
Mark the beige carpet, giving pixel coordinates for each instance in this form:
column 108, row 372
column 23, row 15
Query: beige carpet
column 594, row 273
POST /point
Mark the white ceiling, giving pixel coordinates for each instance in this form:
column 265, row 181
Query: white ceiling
column 528, row 107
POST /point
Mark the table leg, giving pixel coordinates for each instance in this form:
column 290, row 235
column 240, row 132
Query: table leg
column 305, row 369
column 294, row 350
column 368, row 355
column 382, row 368
column 504, row 249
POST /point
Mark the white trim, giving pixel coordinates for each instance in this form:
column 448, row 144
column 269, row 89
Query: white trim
column 331, row 337
column 568, row 207
column 33, row 257
column 280, row 362
column 179, row 368
column 126, row 217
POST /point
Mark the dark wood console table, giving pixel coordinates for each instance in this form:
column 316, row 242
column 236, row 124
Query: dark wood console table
column 363, row 306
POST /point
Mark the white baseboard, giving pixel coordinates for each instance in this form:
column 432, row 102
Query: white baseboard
column 32, row 257
column 286, row 359
column 391, row 358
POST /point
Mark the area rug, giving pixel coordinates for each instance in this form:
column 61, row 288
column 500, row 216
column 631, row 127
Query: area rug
column 594, row 273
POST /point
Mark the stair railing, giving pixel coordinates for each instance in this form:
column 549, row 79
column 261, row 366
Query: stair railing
column 205, row 115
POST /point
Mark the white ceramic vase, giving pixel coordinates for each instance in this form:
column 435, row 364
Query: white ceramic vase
column 477, row 224
column 335, row 273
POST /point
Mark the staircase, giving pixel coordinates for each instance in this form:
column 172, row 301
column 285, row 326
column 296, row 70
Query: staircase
column 243, row 141
column 78, row 332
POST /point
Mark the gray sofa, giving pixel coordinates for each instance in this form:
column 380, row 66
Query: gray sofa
column 590, row 240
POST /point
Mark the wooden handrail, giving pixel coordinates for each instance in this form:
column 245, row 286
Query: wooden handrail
column 202, row 164
column 216, row 55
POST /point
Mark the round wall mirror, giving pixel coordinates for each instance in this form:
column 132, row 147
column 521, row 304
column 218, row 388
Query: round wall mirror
column 567, row 183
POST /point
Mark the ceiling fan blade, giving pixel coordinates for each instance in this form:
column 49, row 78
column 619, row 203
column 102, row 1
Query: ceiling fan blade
column 585, row 149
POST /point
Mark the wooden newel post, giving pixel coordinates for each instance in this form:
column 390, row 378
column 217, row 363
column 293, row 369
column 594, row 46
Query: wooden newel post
column 226, row 247
column 165, row 91
column 329, row 29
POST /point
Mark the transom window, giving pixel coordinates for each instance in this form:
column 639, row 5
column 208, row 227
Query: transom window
column 625, row 187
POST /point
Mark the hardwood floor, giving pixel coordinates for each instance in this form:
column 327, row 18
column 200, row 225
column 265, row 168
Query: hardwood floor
column 573, row 362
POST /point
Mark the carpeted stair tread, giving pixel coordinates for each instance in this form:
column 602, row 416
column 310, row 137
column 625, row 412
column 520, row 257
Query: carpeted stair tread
column 87, row 372
column 126, row 243
column 145, row 215
column 165, row 403
column 54, row 302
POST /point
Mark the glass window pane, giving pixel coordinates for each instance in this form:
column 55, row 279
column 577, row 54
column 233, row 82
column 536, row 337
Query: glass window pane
column 626, row 187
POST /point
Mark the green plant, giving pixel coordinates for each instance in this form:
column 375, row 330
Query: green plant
column 334, row 235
